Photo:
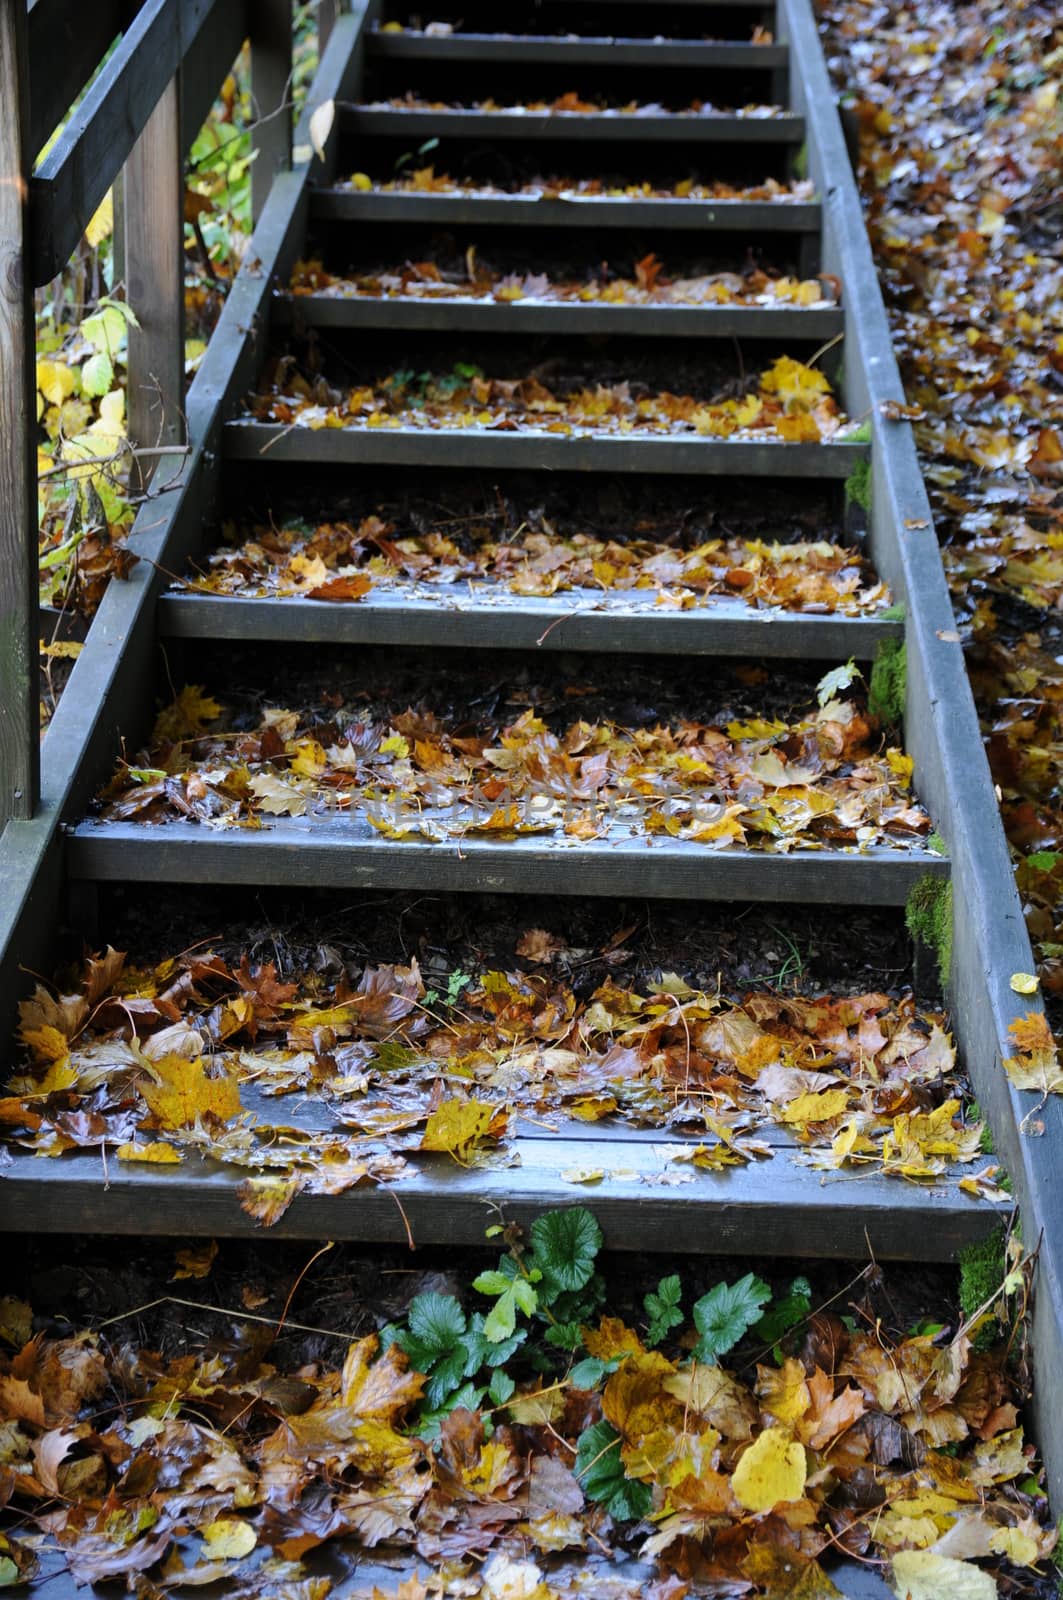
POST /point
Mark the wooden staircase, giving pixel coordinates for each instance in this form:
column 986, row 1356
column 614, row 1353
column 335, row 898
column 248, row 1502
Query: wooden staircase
column 58, row 857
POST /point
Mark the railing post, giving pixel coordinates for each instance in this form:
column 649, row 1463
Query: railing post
column 152, row 232
column 271, row 96
column 327, row 12
column 19, row 697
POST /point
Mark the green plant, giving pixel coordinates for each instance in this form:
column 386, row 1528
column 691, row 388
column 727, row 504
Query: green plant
column 858, row 485
column 663, row 1309
column 727, row 1313
column 787, row 1312
column 888, row 688
column 457, row 981
column 983, row 1268
column 928, row 918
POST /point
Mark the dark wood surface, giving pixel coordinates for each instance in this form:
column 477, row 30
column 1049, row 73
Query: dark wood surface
column 67, row 41
column 348, row 852
column 784, row 325
column 152, row 191
column 271, row 96
column 533, row 449
column 742, row 217
column 618, row 127
column 492, row 618
column 584, row 51
column 19, row 706
column 775, row 1208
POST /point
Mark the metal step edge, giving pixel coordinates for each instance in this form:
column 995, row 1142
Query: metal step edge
column 617, row 127
column 572, row 211
column 775, row 1208
column 349, row 853
column 576, row 620
column 584, row 51
column 785, row 323
column 531, row 449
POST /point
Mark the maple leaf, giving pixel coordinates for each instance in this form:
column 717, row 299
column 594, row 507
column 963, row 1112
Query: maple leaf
column 187, row 716
column 181, row 1093
column 461, row 1128
column 267, row 1199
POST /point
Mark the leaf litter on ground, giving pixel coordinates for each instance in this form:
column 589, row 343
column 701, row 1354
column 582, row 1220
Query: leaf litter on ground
column 739, row 1449
column 425, row 180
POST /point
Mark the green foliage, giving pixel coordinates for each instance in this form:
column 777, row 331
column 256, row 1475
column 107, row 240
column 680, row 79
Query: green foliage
column 662, row 1309
column 928, row 917
column 726, row 1313
column 786, row 1313
column 450, row 1348
column 601, row 1473
column 983, row 1268
column 896, row 613
column 858, row 485
column 457, row 981
column 888, row 688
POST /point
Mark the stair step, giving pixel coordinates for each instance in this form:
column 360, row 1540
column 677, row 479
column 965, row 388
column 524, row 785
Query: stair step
column 585, row 51
column 773, row 1207
column 495, row 618
column 349, row 852
column 783, row 323
column 746, row 217
column 246, row 440
column 418, row 124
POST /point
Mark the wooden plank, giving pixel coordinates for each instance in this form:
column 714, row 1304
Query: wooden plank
column 152, row 202
column 584, row 51
column 349, row 853
column 19, row 705
column 271, row 92
column 777, row 1209
column 783, row 324
column 495, row 619
column 532, row 449
column 614, row 127
column 209, row 57
column 67, row 42
column 990, row 940
column 747, row 217
column 327, row 12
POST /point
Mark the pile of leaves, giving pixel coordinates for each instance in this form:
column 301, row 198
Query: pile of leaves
column 814, row 781
column 790, row 402
column 572, row 104
column 342, row 561
column 513, row 1450
column 651, row 285
column 192, row 1055
column 425, row 180
column 960, row 119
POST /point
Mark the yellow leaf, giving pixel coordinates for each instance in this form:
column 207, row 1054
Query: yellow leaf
column 159, row 1151
column 395, row 745
column 1015, row 1545
column 784, row 1393
column 921, row 1575
column 188, row 715
column 612, row 1338
column 1024, row 982
column 55, row 380
column 184, row 1094
column 101, row 223
column 228, row 1539
column 267, row 1199
column 816, row 1107
column 457, row 1127
column 771, row 1472
column 47, row 1043
column 195, row 1261
column 361, row 181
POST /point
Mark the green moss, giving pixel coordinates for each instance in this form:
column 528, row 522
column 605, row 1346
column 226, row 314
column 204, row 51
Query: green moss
column 936, row 843
column 983, row 1267
column 889, row 681
column 858, row 485
column 895, row 613
column 801, row 162
column 928, row 916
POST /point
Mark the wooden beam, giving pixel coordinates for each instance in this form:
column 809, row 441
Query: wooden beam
column 67, row 42
column 271, row 95
column 153, row 235
column 19, row 732
column 327, row 12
